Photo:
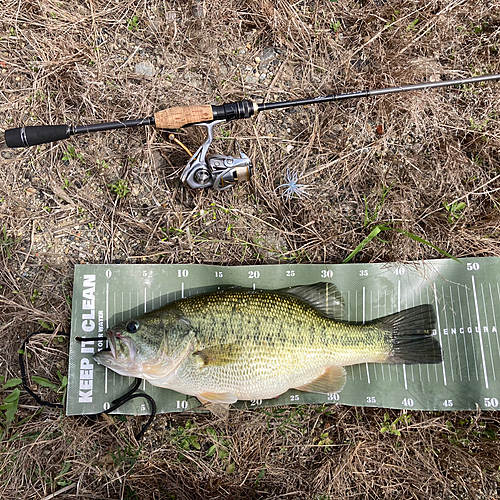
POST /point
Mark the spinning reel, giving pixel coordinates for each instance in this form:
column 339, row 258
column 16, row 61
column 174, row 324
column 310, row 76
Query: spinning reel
column 219, row 172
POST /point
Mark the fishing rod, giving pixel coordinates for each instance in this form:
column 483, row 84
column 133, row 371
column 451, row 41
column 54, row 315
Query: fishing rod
column 203, row 170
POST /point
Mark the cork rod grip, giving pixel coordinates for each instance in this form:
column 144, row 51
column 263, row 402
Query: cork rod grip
column 183, row 115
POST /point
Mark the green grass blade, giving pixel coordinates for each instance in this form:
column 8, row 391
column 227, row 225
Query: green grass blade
column 379, row 228
column 374, row 232
column 425, row 242
column 12, row 383
column 44, row 382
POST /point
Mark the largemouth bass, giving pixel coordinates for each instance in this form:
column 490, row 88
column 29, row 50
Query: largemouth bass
column 245, row 344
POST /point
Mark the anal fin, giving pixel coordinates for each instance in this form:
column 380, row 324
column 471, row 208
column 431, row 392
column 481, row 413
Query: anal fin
column 332, row 380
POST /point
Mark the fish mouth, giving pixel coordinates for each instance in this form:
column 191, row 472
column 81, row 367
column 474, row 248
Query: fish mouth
column 113, row 336
column 112, row 342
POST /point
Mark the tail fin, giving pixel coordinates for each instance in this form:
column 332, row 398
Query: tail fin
column 411, row 334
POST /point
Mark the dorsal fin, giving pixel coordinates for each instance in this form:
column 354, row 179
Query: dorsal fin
column 324, row 297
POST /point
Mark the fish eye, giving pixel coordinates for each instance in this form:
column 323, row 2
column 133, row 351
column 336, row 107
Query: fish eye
column 132, row 326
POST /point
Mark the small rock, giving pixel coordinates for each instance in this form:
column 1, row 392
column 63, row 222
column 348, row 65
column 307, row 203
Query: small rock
column 196, row 83
column 263, row 77
column 171, row 16
column 156, row 25
column 268, row 54
column 144, row 69
column 7, row 155
column 251, row 79
column 198, row 9
column 158, row 160
column 224, row 70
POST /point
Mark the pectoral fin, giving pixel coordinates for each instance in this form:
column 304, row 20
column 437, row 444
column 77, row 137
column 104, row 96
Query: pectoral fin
column 219, row 355
column 332, row 380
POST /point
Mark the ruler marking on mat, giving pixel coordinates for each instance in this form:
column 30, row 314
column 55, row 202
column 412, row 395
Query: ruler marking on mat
column 486, row 324
column 483, row 357
column 453, row 327
column 371, row 318
column 379, row 314
column 364, row 321
column 435, row 366
column 349, row 318
column 357, row 320
column 447, row 335
column 494, row 316
column 399, row 310
column 463, row 337
column 455, row 335
column 439, row 333
column 472, row 337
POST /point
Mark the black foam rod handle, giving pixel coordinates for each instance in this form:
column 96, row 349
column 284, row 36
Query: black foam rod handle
column 31, row 136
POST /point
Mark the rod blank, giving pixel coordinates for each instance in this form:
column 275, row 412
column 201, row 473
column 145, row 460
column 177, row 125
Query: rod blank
column 266, row 106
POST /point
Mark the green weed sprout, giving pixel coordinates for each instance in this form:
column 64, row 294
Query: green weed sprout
column 119, row 188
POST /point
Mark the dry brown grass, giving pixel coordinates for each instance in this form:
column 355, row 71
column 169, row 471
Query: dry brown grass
column 73, row 62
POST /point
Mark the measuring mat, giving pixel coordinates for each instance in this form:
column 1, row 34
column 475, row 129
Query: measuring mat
column 466, row 297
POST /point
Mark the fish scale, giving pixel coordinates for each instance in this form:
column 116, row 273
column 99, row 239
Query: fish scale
column 266, row 353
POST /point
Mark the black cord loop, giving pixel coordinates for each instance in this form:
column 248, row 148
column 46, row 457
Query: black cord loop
column 115, row 404
column 131, row 394
column 22, row 365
